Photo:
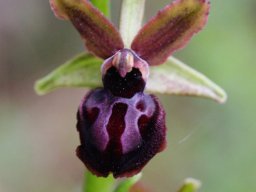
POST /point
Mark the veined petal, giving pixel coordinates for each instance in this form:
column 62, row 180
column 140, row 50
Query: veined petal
column 100, row 35
column 170, row 30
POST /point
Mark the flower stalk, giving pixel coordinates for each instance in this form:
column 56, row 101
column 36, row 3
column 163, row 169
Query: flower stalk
column 93, row 183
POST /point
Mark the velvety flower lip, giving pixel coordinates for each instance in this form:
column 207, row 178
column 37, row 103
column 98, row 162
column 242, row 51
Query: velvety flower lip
column 100, row 35
column 170, row 30
column 119, row 135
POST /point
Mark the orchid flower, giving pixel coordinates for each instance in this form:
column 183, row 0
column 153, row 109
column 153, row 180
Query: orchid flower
column 121, row 127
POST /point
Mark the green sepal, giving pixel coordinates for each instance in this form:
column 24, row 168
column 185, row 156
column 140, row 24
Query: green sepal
column 81, row 71
column 175, row 78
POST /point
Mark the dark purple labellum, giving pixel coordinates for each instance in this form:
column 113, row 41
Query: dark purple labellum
column 119, row 135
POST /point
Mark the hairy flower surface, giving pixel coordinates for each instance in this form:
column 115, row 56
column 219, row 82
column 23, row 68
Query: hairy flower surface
column 119, row 135
column 121, row 128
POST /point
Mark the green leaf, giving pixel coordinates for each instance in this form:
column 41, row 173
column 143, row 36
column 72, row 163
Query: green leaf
column 81, row 71
column 174, row 77
column 98, row 184
column 125, row 185
column 131, row 19
column 103, row 6
column 190, row 185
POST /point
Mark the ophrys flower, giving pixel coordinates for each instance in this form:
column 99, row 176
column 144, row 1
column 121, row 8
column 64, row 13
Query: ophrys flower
column 121, row 128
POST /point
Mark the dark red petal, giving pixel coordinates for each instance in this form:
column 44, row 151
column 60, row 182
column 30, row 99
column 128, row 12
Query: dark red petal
column 100, row 35
column 170, row 30
column 119, row 135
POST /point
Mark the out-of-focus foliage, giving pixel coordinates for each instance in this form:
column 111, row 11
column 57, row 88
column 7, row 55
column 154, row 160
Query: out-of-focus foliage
column 103, row 6
column 211, row 142
column 190, row 185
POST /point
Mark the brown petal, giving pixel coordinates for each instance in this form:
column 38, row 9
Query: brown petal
column 101, row 37
column 170, row 30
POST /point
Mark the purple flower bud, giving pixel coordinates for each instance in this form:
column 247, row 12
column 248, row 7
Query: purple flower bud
column 119, row 135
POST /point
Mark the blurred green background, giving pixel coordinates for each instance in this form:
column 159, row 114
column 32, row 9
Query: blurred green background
column 211, row 142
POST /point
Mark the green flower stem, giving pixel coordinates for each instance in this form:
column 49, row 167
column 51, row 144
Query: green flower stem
column 125, row 185
column 103, row 6
column 132, row 13
column 98, row 184
column 91, row 182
